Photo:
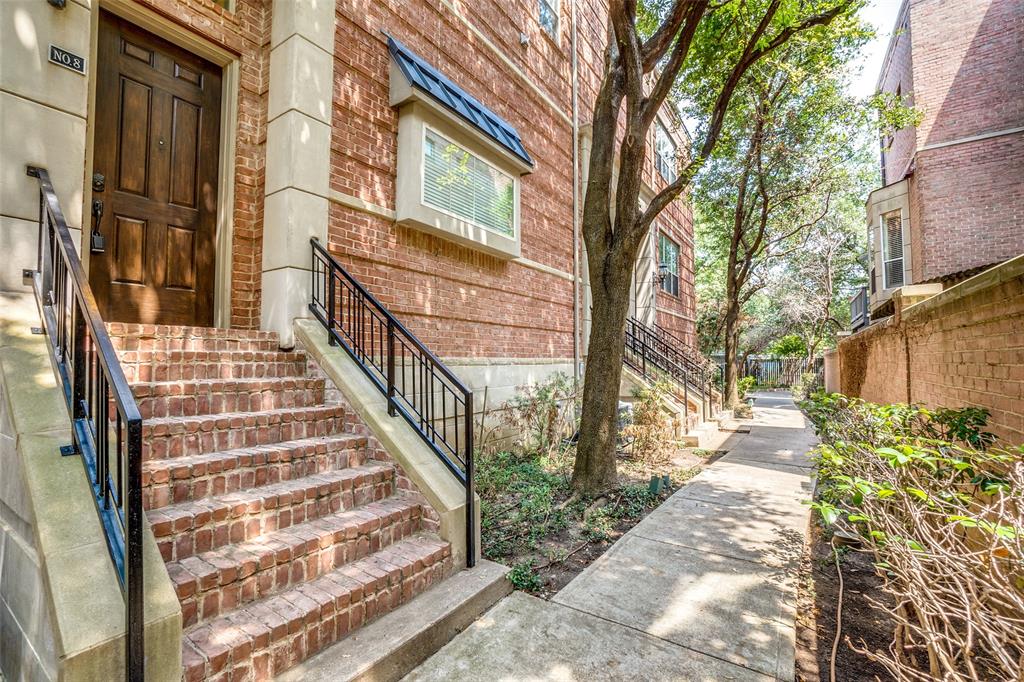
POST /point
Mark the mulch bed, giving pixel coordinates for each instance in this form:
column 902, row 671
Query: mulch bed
column 573, row 533
column 867, row 626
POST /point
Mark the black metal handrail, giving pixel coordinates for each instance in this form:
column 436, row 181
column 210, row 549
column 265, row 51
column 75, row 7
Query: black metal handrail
column 106, row 423
column 417, row 385
column 677, row 345
column 646, row 355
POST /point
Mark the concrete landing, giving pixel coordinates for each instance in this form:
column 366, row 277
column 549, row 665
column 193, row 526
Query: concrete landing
column 702, row 589
column 396, row 643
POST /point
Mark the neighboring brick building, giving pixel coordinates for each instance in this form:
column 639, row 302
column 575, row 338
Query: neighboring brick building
column 952, row 200
column 946, row 229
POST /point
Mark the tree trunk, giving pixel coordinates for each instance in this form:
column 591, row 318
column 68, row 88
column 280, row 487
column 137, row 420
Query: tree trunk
column 595, row 472
column 732, row 338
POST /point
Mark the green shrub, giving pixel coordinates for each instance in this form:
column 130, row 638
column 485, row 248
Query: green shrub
column 650, row 429
column 744, row 385
column 543, row 413
column 523, row 577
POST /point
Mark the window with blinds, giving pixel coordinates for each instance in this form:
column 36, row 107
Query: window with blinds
column 892, row 249
column 668, row 264
column 459, row 183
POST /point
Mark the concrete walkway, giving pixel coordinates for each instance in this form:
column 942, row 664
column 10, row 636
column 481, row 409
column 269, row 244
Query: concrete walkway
column 702, row 589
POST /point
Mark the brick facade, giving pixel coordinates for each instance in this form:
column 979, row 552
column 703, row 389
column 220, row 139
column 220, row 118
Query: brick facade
column 964, row 347
column 462, row 302
column 959, row 62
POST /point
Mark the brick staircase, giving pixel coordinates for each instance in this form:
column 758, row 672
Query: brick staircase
column 282, row 531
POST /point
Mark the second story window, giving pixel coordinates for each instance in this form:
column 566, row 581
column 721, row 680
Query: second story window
column 549, row 16
column 668, row 264
column 664, row 153
column 892, row 250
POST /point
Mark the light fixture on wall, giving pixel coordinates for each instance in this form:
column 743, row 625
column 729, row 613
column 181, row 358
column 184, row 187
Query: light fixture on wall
column 661, row 274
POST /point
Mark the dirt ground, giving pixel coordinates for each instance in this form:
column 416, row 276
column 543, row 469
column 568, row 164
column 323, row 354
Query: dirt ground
column 561, row 550
column 863, row 624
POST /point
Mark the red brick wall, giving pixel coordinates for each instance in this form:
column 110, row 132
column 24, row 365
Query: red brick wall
column 245, row 32
column 968, row 61
column 964, row 347
column 898, row 76
column 972, row 204
column 462, row 302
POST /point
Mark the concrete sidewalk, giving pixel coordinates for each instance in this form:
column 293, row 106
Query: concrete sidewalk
column 702, row 589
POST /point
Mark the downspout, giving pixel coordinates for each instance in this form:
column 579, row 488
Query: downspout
column 576, row 323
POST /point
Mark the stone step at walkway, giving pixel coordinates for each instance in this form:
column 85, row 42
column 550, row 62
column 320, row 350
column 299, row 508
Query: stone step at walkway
column 169, row 437
column 196, row 477
column 218, row 579
column 281, row 532
column 218, row 396
column 270, row 636
column 703, row 588
column 245, row 515
column 189, row 365
column 151, row 337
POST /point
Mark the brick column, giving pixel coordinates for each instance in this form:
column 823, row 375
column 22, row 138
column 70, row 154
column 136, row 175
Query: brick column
column 298, row 156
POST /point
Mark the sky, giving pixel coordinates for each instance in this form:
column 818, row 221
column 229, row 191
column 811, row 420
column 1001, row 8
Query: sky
column 882, row 15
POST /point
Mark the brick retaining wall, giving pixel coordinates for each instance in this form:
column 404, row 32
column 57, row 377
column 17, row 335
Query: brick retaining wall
column 962, row 347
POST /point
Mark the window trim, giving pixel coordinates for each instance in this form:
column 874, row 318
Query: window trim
column 883, row 233
column 663, row 235
column 427, row 127
column 556, row 8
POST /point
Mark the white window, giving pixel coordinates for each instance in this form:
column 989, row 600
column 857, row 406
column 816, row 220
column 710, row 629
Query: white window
column 457, row 182
column 668, row 264
column 548, row 10
column 892, row 249
column 664, row 153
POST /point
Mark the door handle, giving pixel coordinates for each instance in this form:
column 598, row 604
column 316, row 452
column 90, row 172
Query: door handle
column 97, row 243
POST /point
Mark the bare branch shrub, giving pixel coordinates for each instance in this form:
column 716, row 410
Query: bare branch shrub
column 543, row 414
column 945, row 522
column 650, row 430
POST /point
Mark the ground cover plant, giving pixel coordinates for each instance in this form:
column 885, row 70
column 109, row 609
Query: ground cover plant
column 533, row 521
column 939, row 507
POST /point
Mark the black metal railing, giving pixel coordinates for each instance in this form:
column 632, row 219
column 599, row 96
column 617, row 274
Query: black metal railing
column 859, row 310
column 106, row 424
column 416, row 384
column 662, row 357
column 693, row 356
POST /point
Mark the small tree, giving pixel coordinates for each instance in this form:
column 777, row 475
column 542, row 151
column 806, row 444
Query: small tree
column 702, row 50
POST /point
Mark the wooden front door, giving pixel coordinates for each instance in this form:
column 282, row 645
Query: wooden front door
column 155, row 178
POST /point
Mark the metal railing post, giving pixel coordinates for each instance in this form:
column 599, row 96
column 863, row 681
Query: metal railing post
column 331, row 322
column 470, row 486
column 391, row 368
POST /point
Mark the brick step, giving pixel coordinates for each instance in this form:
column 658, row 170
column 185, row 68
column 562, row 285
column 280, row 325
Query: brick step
column 217, row 581
column 267, row 637
column 187, row 365
column 217, row 396
column 186, row 479
column 170, row 437
column 182, row 530
column 129, row 336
